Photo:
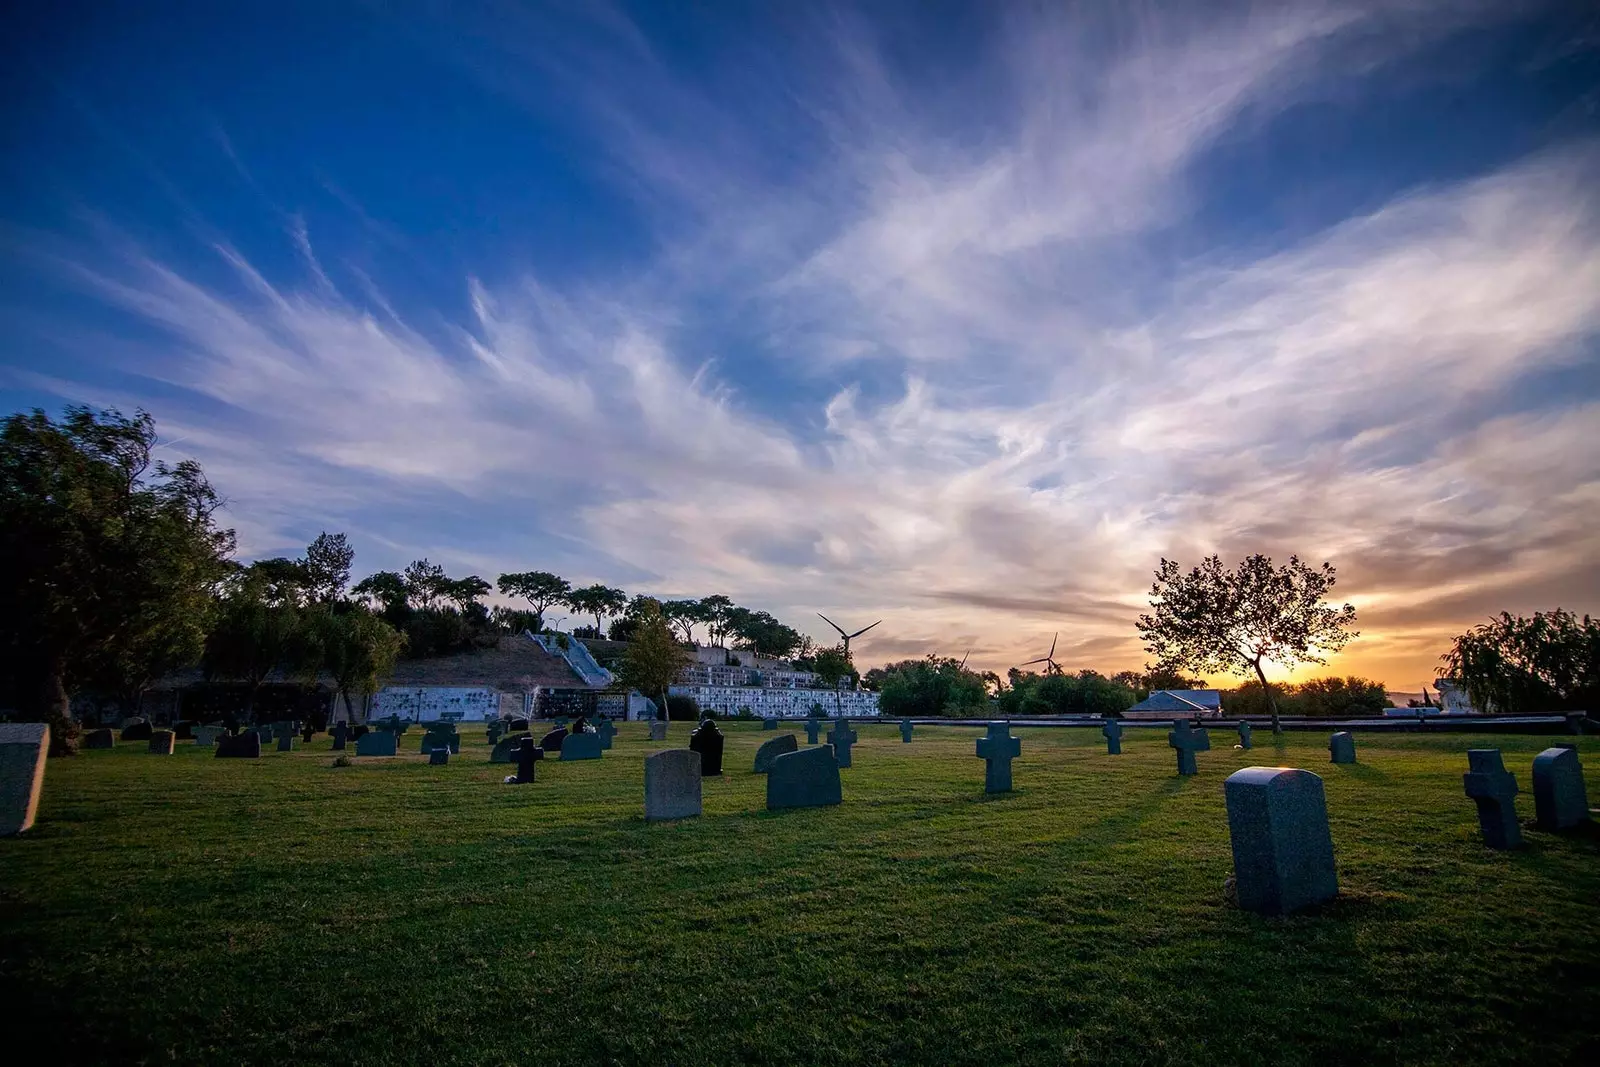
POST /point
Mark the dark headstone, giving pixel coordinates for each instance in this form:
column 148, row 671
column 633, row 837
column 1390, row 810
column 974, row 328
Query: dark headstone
column 552, row 741
column 137, row 730
column 24, row 749
column 1113, row 734
column 1494, row 790
column 771, row 750
column 813, row 727
column 286, row 743
column 439, row 756
column 378, row 743
column 162, row 742
column 1282, row 850
column 206, row 736
column 841, row 737
column 240, row 746
column 997, row 749
column 607, row 731
column 102, row 738
column 527, row 755
column 580, row 746
column 359, row 731
column 658, row 729
column 307, row 733
column 808, row 778
column 1559, row 798
column 493, row 731
column 905, row 730
column 341, row 735
column 672, row 785
column 1188, row 741
column 769, row 723
column 707, row 740
column 517, row 724
column 440, row 735
column 1342, row 747
column 1246, row 742
column 506, row 748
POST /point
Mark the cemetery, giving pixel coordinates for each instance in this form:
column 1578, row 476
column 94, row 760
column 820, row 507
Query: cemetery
column 731, row 894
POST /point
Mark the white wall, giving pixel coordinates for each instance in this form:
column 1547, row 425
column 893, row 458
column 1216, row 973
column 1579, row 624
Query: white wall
column 782, row 703
column 428, row 703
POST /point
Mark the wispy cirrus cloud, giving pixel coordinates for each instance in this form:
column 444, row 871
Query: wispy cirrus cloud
column 938, row 361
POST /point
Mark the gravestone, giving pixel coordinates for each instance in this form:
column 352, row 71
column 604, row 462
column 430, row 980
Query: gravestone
column 1245, row 741
column 440, row 735
column 552, row 741
column 517, row 724
column 1494, row 790
column 206, row 736
column 136, row 730
column 307, row 733
column 769, row 723
column 528, row 754
column 841, row 737
column 341, row 735
column 1342, row 747
column 183, row 730
column 905, row 731
column 997, row 749
column 1188, row 741
column 493, row 731
column 672, row 785
column 239, row 746
column 163, row 742
column 658, row 729
column 1559, row 799
column 378, row 743
column 771, row 750
column 439, row 756
column 505, row 749
column 1113, row 734
column 707, row 740
column 608, row 732
column 24, row 747
column 286, row 743
column 265, row 733
column 1282, row 849
column 808, row 778
column 283, row 728
column 580, row 746
column 102, row 738
column 813, row 727
column 359, row 731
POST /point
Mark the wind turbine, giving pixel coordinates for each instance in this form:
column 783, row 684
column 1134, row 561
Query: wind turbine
column 1048, row 659
column 844, row 635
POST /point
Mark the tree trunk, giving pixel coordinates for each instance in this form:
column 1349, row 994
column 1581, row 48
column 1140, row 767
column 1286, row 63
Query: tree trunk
column 52, row 707
column 1272, row 705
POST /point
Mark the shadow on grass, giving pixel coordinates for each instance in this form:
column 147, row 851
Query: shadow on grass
column 1114, row 829
column 1363, row 772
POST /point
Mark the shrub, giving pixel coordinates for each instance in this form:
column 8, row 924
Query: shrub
column 682, row 708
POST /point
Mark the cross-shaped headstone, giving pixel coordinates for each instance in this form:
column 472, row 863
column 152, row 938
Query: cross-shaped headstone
column 341, row 735
column 813, row 727
column 1188, row 741
column 1244, row 735
column 607, row 730
column 905, row 730
column 496, row 728
column 306, row 732
column 1113, row 734
column 1494, row 790
column 841, row 737
column 528, row 754
column 998, row 748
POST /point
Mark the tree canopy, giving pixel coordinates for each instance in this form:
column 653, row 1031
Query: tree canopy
column 1511, row 664
column 1214, row 620
column 541, row 589
column 654, row 656
column 928, row 687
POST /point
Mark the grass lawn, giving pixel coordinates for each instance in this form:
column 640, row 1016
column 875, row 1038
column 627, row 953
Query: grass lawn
column 188, row 909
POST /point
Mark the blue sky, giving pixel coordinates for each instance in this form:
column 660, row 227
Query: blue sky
column 961, row 315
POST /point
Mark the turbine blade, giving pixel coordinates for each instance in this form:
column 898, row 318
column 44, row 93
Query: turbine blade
column 833, row 624
column 864, row 629
column 1053, row 643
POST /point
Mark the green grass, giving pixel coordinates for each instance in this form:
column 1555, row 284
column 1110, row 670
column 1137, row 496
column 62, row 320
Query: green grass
column 187, row 909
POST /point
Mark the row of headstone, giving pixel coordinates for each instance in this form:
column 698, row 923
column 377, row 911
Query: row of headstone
column 1560, row 801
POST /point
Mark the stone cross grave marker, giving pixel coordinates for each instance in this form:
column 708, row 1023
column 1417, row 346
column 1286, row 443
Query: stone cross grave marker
column 707, row 740
column 341, row 735
column 1245, row 741
column 1282, row 849
column 997, row 749
column 1494, row 790
column 813, row 727
column 1113, row 733
column 528, row 754
column 905, row 730
column 1559, row 799
column 1188, row 741
column 495, row 729
column 672, row 784
column 841, row 737
column 307, row 733
column 24, row 747
column 808, row 778
column 1342, row 747
column 771, row 750
column 608, row 732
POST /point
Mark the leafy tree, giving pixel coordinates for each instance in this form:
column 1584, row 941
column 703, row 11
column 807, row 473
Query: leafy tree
column 464, row 592
column 358, row 650
column 762, row 634
column 386, row 590
column 541, row 589
column 1513, row 665
column 109, row 559
column 715, row 609
column 1086, row 693
column 597, row 600
column 326, row 567
column 280, row 580
column 922, row 688
column 1348, row 697
column 254, row 635
column 683, row 614
column 654, row 657
column 832, row 666
column 1213, row 620
column 426, row 584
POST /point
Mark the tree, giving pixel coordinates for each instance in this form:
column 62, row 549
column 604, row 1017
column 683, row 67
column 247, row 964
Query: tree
column 715, row 608
column 683, row 614
column 832, row 666
column 1211, row 620
column 110, row 559
column 425, row 584
column 1334, row 698
column 597, row 600
column 654, row 657
column 464, row 592
column 762, row 634
column 1514, row 665
column 541, row 589
column 327, row 567
column 923, row 688
column 358, row 649
column 385, row 590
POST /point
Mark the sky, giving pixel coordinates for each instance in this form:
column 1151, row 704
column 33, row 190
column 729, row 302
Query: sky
column 961, row 316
